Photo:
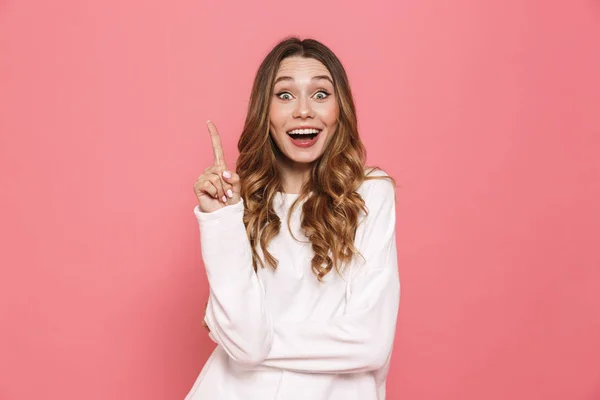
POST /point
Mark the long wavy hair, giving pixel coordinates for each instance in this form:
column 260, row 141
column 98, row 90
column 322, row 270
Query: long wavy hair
column 330, row 214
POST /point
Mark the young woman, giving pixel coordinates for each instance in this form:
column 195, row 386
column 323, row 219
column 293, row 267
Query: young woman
column 298, row 243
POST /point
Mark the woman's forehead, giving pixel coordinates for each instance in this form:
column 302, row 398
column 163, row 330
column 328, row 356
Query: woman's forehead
column 300, row 67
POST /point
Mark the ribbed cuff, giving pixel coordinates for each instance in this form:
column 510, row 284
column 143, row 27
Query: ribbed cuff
column 220, row 213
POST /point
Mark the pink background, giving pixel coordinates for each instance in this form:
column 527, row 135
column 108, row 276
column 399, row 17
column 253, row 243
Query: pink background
column 487, row 113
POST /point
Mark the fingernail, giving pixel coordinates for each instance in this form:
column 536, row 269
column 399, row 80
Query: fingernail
column 226, row 174
column 224, row 199
column 229, row 193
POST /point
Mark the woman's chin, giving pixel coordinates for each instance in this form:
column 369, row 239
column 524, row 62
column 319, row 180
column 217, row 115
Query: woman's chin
column 306, row 156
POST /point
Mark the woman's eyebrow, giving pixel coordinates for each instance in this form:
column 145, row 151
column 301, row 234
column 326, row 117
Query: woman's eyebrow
column 314, row 78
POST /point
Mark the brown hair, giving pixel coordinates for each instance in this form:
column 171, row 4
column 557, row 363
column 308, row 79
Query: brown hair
column 330, row 215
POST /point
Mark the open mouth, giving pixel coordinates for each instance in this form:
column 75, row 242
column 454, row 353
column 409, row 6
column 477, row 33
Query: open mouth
column 305, row 136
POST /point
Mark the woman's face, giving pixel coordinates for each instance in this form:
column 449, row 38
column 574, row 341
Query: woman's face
column 303, row 98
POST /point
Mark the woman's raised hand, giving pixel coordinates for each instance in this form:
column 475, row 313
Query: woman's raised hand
column 215, row 188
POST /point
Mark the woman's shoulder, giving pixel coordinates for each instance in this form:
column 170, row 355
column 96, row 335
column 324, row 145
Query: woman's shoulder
column 377, row 185
column 379, row 195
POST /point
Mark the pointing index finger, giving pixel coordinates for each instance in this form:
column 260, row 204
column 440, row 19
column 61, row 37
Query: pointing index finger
column 216, row 144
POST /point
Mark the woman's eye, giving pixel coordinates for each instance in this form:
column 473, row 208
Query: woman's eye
column 324, row 97
column 287, row 96
column 280, row 95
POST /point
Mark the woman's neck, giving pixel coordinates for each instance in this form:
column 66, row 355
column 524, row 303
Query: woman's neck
column 294, row 176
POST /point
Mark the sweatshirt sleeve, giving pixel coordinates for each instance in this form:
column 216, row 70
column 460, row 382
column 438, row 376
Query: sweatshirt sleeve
column 236, row 312
column 362, row 338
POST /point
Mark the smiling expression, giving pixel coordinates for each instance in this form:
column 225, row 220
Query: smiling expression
column 303, row 97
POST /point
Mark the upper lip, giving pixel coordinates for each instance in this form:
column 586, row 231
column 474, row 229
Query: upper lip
column 304, row 127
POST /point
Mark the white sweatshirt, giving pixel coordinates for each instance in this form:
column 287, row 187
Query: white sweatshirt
column 282, row 335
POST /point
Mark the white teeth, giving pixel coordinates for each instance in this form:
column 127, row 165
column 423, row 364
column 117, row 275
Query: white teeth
column 304, row 131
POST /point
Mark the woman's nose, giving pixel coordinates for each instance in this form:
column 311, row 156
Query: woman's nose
column 303, row 108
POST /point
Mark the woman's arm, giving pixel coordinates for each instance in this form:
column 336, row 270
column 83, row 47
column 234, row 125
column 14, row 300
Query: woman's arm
column 236, row 313
column 362, row 338
column 359, row 340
